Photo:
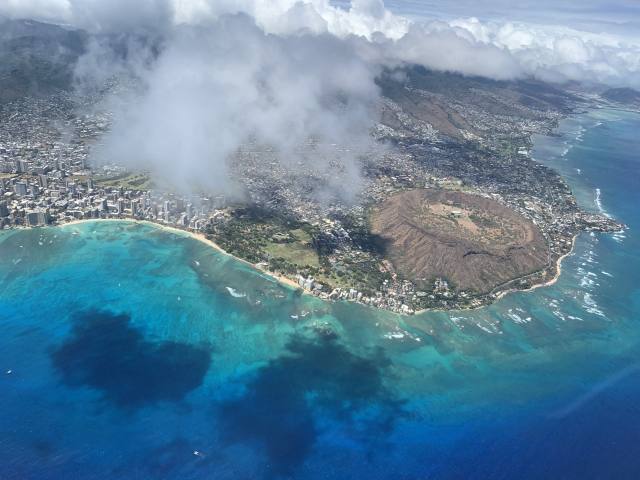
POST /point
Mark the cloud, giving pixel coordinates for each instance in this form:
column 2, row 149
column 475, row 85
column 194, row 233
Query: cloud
column 561, row 54
column 46, row 10
column 615, row 16
column 218, row 74
column 496, row 48
column 440, row 46
column 214, row 89
column 141, row 16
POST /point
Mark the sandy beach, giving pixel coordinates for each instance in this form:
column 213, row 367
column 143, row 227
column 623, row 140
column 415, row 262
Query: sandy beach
column 196, row 236
column 291, row 283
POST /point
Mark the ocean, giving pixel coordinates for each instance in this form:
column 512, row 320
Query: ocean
column 130, row 352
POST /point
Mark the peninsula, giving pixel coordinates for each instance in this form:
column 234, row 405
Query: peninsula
column 452, row 211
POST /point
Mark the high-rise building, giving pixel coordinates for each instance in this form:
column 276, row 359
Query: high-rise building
column 43, row 181
column 4, row 209
column 121, row 206
column 37, row 218
column 20, row 188
column 32, row 219
column 43, row 217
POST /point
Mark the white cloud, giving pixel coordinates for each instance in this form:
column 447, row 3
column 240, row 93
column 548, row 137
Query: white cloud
column 273, row 70
column 213, row 89
column 440, row 46
column 562, row 54
column 496, row 49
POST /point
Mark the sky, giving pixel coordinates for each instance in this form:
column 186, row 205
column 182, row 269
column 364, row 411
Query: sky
column 596, row 14
column 283, row 71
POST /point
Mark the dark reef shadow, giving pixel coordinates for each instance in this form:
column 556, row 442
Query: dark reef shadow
column 284, row 406
column 104, row 352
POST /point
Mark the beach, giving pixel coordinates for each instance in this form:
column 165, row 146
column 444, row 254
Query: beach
column 291, row 283
column 201, row 237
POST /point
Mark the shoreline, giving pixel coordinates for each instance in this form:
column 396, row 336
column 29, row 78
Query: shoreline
column 550, row 282
column 200, row 237
column 504, row 293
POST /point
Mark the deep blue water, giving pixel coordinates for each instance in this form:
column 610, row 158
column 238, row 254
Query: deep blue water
column 130, row 358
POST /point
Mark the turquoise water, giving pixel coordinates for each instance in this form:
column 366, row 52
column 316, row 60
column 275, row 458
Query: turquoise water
column 138, row 353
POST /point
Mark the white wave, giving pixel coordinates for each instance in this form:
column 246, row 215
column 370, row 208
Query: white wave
column 458, row 321
column 235, row 293
column 559, row 314
column 598, row 201
column 618, row 237
column 591, row 306
column 517, row 318
column 588, row 257
column 399, row 334
column 490, row 327
column 606, row 273
column 586, row 282
column 394, row 335
column 481, row 327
